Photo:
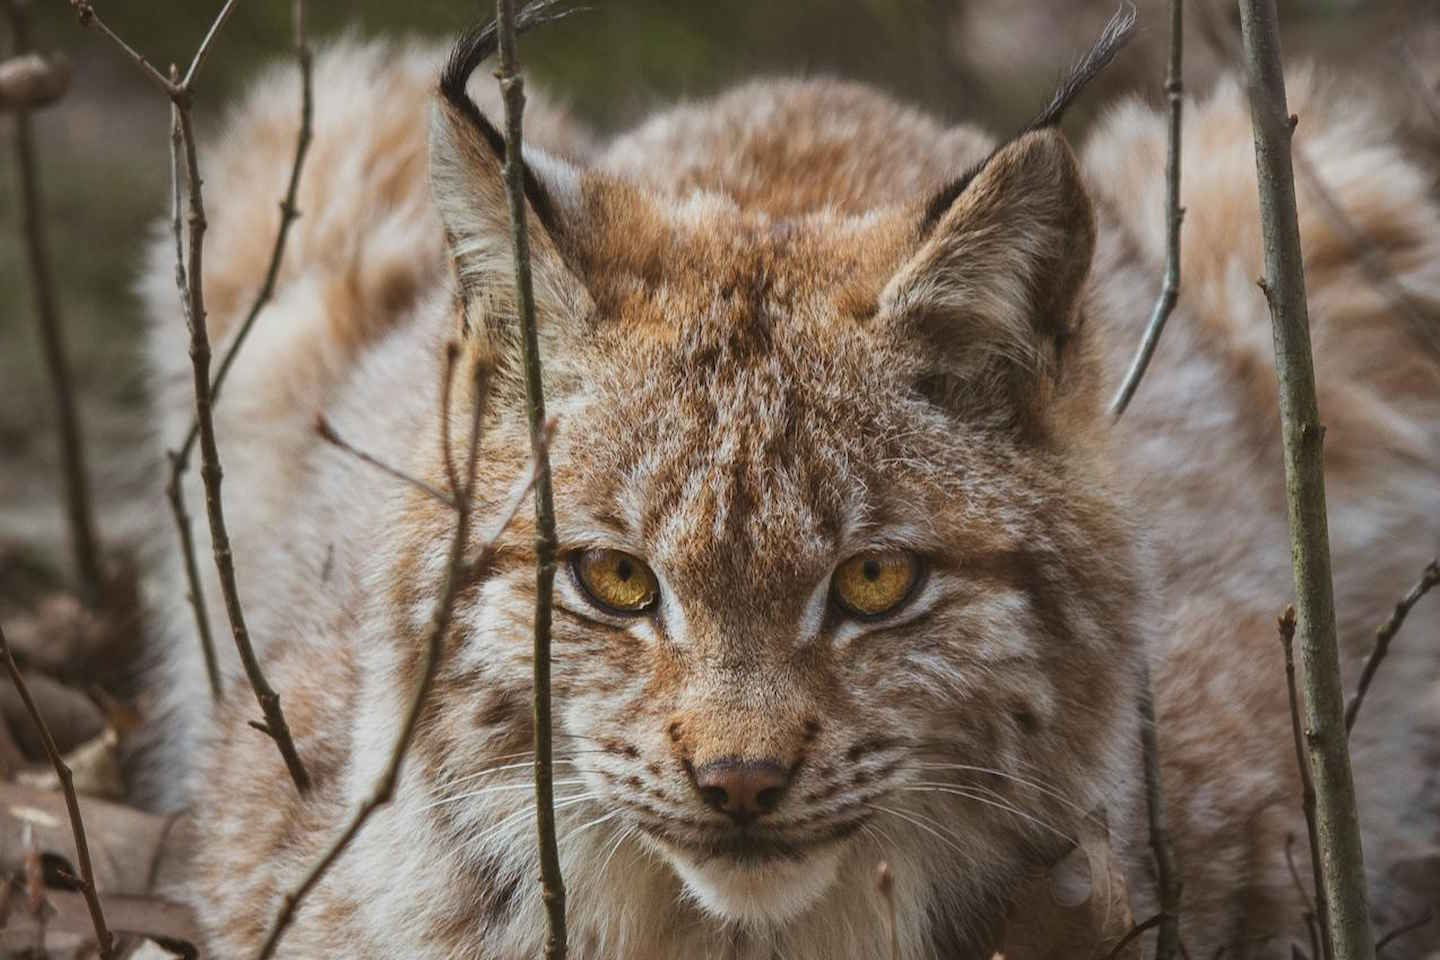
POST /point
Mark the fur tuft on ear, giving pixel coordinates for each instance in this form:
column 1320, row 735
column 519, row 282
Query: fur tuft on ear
column 994, row 289
column 467, row 154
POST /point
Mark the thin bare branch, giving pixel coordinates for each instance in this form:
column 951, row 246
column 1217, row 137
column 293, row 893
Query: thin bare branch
column 1404, row 928
column 180, row 460
column 384, row 788
column 183, row 137
column 512, row 91
column 79, row 509
column 193, row 593
column 1342, row 857
column 86, row 880
column 1134, row 932
column 1174, row 215
column 204, row 49
column 289, row 212
column 1385, row 634
column 1307, row 786
column 328, row 434
column 1167, row 874
column 89, row 18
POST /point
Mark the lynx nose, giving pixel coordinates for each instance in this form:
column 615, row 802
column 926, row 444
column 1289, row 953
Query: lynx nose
column 742, row 789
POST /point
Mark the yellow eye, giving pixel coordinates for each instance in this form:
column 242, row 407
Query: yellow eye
column 616, row 581
column 873, row 583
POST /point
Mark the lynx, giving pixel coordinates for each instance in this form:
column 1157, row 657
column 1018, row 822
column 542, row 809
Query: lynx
column 854, row 567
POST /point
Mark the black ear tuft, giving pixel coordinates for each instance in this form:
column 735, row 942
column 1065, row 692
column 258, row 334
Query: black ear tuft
column 474, row 47
column 1117, row 33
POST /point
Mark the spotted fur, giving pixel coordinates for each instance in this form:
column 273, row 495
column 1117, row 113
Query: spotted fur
column 763, row 356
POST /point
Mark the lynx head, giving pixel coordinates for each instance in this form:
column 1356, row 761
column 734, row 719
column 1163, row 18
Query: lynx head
column 839, row 576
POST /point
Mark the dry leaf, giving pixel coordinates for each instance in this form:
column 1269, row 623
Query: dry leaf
column 94, row 767
column 129, row 849
column 1077, row 910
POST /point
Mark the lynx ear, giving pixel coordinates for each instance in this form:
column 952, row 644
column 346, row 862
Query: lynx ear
column 466, row 159
column 993, row 291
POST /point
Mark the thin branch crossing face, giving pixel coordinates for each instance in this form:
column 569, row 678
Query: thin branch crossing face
column 512, row 90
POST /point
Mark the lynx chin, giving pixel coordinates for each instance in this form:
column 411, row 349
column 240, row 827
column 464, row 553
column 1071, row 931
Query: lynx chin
column 854, row 567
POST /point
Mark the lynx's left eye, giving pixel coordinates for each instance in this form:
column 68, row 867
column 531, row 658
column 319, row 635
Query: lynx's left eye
column 616, row 582
column 874, row 583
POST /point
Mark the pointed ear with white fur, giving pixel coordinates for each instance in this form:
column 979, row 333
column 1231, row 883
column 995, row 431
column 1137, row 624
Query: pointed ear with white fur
column 994, row 290
column 466, row 159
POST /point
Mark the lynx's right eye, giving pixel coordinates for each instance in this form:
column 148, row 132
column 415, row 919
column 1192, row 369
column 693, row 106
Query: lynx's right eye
column 616, row 582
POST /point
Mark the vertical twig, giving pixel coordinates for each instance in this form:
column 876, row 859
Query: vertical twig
column 1307, row 786
column 1167, row 874
column 1174, row 215
column 180, row 460
column 1385, row 634
column 189, row 276
column 210, row 471
column 1337, row 822
column 84, row 548
column 72, row 804
column 512, row 89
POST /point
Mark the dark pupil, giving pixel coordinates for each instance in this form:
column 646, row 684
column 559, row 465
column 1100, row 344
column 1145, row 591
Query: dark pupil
column 623, row 569
column 871, row 569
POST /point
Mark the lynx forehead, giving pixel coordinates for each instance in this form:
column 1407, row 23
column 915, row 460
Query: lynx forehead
column 849, row 555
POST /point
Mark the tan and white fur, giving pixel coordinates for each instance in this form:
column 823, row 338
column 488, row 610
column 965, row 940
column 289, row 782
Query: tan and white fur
column 764, row 353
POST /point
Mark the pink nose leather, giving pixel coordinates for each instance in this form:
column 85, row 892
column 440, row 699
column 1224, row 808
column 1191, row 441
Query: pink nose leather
column 742, row 789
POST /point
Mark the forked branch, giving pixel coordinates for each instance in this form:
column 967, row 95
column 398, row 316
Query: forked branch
column 512, row 90
column 86, row 879
column 31, row 88
column 189, row 276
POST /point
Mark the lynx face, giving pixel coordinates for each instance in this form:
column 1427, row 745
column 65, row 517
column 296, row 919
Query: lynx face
column 837, row 578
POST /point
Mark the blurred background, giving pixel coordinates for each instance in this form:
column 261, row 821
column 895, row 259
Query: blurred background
column 105, row 163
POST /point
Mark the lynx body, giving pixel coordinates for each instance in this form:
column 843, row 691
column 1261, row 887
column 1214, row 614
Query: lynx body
column 777, row 333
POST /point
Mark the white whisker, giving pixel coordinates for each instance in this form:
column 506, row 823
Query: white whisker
column 495, row 788
column 1047, row 790
column 953, row 790
column 571, row 834
column 930, row 827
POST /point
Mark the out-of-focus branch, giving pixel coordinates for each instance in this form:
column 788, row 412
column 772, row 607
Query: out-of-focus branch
column 512, row 91
column 29, row 85
column 86, row 880
column 1385, row 634
column 1307, row 786
column 1347, row 912
column 1174, row 215
column 1167, row 874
